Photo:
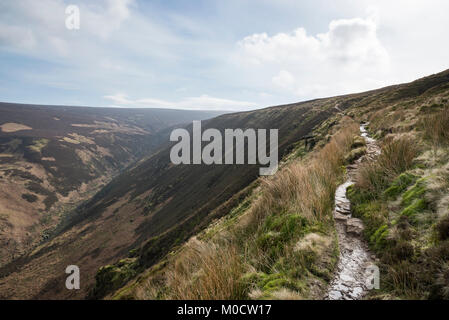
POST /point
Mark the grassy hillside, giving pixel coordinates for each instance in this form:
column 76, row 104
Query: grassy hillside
column 279, row 242
column 155, row 206
column 165, row 231
column 54, row 157
column 403, row 196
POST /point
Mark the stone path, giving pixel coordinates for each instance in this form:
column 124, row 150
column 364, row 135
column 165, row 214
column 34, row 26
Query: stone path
column 349, row 282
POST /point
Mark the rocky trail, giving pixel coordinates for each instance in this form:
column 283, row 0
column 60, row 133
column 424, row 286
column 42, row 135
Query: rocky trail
column 349, row 282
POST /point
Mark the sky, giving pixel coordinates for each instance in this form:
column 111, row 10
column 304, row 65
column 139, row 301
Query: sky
column 215, row 55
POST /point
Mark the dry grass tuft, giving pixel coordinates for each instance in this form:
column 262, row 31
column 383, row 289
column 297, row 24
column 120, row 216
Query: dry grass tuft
column 306, row 189
column 436, row 127
column 286, row 294
column 313, row 242
column 206, row 271
column 397, row 156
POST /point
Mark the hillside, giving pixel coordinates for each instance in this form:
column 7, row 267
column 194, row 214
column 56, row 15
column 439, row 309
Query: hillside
column 54, row 157
column 154, row 204
column 280, row 242
column 259, row 237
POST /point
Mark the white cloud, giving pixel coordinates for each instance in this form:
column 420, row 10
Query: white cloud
column 21, row 37
column 280, row 48
column 307, row 65
column 108, row 18
column 155, row 49
column 39, row 27
column 203, row 102
column 119, row 98
column 284, row 80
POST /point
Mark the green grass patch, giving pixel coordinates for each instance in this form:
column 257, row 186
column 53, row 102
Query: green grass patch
column 400, row 184
column 417, row 206
column 286, row 224
column 379, row 238
column 113, row 277
column 416, row 192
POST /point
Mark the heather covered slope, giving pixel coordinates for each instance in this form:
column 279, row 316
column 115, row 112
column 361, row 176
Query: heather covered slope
column 154, row 207
column 53, row 157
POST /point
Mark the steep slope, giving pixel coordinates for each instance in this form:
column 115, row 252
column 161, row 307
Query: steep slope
column 53, row 157
column 280, row 241
column 155, row 203
column 401, row 195
column 155, row 206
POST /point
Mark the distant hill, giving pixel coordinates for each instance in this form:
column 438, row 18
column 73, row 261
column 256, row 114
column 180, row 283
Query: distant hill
column 53, row 157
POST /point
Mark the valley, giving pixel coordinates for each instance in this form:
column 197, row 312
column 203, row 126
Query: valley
column 52, row 158
column 162, row 231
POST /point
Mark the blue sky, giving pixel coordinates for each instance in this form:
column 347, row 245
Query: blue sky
column 216, row 55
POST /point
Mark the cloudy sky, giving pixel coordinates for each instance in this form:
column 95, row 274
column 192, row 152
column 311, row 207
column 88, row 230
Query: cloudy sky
column 220, row 55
